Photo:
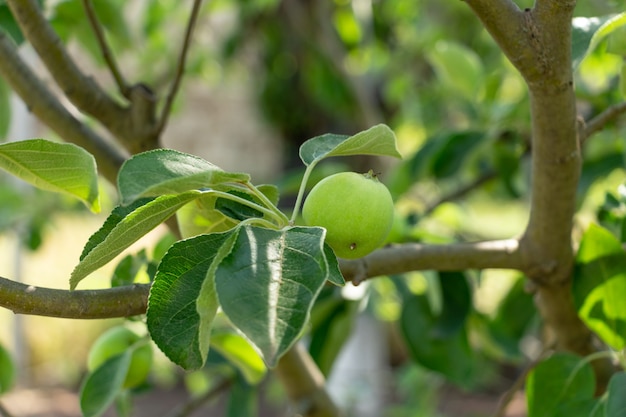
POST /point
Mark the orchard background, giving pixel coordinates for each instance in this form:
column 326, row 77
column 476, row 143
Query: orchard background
column 504, row 272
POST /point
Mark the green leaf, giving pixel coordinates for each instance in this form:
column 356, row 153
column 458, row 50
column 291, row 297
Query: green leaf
column 457, row 67
column 329, row 335
column 453, row 151
column 557, row 383
column 457, row 303
column 269, row 282
column 7, row 371
column 51, row 166
column 118, row 214
column 165, row 171
column 127, row 231
column 599, row 285
column 9, row 25
column 448, row 354
column 127, row 269
column 587, row 32
column 334, row 273
column 102, row 386
column 240, row 354
column 173, row 315
column 377, row 140
column 200, row 216
column 616, row 402
column 236, row 210
column 243, row 400
column 513, row 317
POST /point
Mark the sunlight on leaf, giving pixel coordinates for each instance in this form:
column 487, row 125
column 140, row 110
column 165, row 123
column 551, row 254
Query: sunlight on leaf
column 165, row 171
column 263, row 290
column 51, row 166
column 587, row 32
column 128, row 230
column 378, row 140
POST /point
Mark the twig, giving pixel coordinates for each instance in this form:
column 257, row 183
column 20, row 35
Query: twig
column 4, row 412
column 180, row 70
column 462, row 191
column 601, row 120
column 104, row 47
column 194, row 404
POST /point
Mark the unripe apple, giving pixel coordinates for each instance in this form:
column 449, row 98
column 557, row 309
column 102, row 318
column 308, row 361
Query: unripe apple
column 114, row 342
column 356, row 210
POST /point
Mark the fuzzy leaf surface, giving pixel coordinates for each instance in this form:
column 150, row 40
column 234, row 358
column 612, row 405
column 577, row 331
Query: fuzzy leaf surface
column 127, row 231
column 268, row 283
column 165, row 171
column 59, row 167
column 377, row 140
column 174, row 315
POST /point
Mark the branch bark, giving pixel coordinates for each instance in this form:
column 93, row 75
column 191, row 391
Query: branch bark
column 43, row 104
column 132, row 300
column 304, row 384
column 538, row 42
column 134, row 125
column 418, row 257
column 124, row 301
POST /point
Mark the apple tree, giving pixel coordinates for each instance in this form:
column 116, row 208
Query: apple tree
column 501, row 101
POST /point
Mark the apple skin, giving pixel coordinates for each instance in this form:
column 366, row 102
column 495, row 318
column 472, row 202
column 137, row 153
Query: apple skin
column 355, row 209
column 114, row 342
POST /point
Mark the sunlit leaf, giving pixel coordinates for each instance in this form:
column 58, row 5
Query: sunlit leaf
column 239, row 353
column 269, row 282
column 127, row 231
column 599, row 285
column 165, row 171
column 174, row 318
column 587, row 32
column 378, row 140
column 52, row 166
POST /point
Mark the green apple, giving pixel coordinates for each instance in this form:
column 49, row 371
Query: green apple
column 114, row 342
column 355, row 209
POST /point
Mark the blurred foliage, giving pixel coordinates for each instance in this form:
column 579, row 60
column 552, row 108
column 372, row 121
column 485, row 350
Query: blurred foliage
column 458, row 107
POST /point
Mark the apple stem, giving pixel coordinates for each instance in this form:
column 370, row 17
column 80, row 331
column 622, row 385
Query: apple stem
column 305, row 179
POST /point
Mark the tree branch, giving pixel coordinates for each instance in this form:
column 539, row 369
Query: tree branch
column 180, row 70
column 43, row 104
column 81, row 90
column 104, row 48
column 600, row 121
column 461, row 191
column 80, row 304
column 133, row 125
column 132, row 300
column 191, row 406
column 418, row 257
column 305, row 384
